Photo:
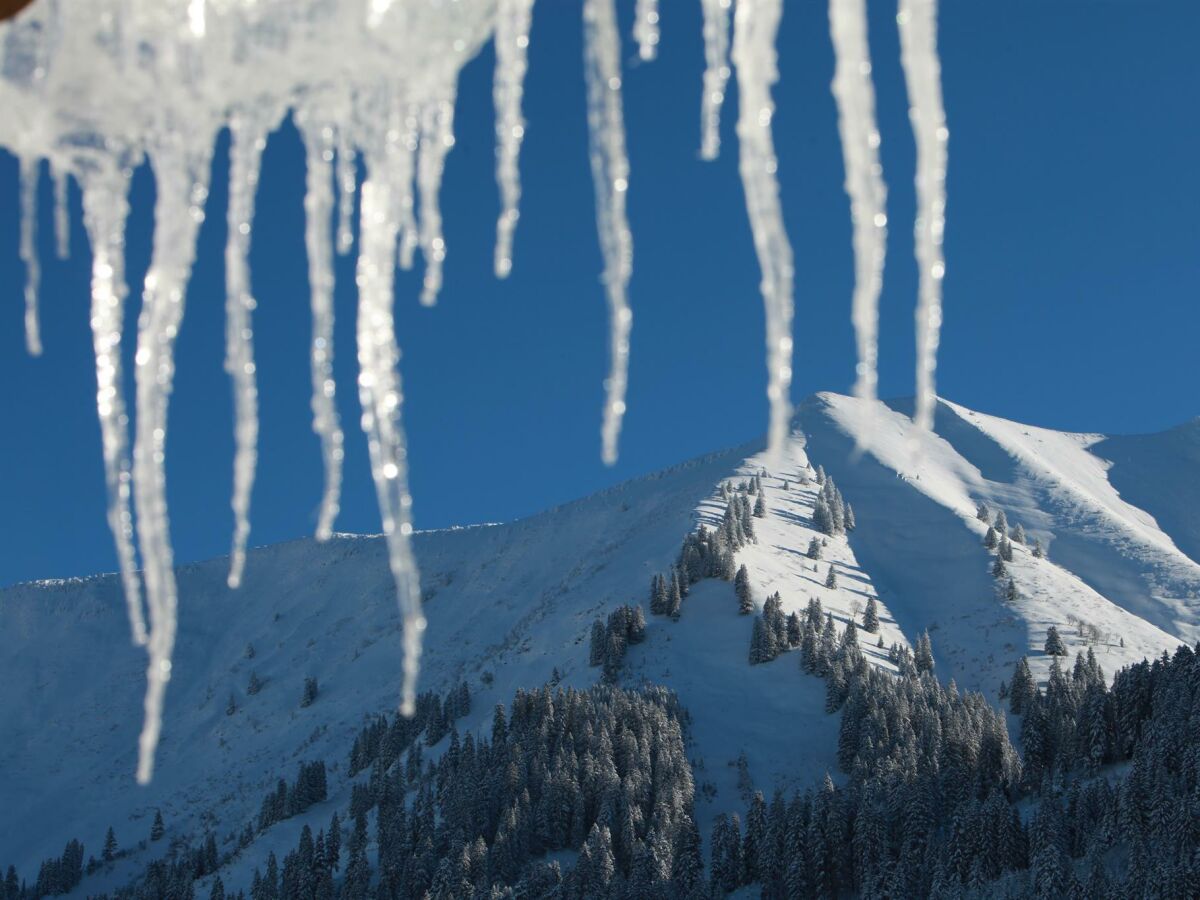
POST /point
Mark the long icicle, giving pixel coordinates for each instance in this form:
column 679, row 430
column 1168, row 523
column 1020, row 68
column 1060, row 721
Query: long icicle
column 646, row 29
column 716, row 75
column 508, row 85
column 179, row 210
column 381, row 397
column 246, row 145
column 28, row 168
column 318, row 207
column 755, row 25
column 105, row 211
column 62, row 216
column 854, row 92
column 437, row 137
column 610, row 176
column 917, row 20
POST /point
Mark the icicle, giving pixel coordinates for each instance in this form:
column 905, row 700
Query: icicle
column 855, row 94
column 105, row 210
column 179, row 210
column 437, row 137
column 29, row 255
column 716, row 75
column 755, row 26
column 512, row 46
column 610, row 175
column 381, row 397
column 62, row 217
column 347, row 176
column 923, row 76
column 318, row 205
column 245, row 157
column 401, row 165
column 645, row 28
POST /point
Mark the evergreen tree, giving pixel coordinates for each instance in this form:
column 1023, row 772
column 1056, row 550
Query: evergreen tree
column 1006, row 551
column 982, row 513
column 814, row 549
column 760, row 508
column 597, row 644
column 1017, row 533
column 110, row 845
column 254, row 685
column 989, row 539
column 1001, row 523
column 1038, row 552
column 998, row 568
column 157, row 829
column 231, row 707
column 923, row 658
column 831, row 579
column 741, row 585
column 1054, row 642
column 871, row 616
column 309, row 696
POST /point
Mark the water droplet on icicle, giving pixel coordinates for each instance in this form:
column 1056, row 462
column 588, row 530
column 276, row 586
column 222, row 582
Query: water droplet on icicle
column 646, row 28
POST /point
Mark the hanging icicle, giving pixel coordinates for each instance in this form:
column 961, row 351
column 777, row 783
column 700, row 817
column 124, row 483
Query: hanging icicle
column 755, row 25
column 247, row 140
column 854, row 92
column 512, row 52
column 105, row 210
column 610, row 175
column 381, row 397
column 716, row 75
column 318, row 207
column 62, row 218
column 29, row 255
column 923, row 76
column 646, row 28
column 181, row 174
column 437, row 137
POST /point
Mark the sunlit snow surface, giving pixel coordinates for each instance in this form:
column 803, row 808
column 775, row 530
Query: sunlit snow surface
column 97, row 88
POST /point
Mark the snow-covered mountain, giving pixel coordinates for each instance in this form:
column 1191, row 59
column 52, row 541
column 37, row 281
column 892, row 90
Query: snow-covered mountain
column 509, row 605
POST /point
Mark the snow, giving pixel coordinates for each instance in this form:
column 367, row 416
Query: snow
column 507, row 604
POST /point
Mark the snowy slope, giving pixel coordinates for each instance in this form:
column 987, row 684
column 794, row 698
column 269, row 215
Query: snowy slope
column 508, row 604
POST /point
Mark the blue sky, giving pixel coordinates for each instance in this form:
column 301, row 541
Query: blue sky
column 1073, row 272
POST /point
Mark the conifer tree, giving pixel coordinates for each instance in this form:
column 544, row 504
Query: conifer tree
column 760, row 508
column 110, row 845
column 1006, row 551
column 1054, row 642
column 741, row 585
column 254, row 685
column 1001, row 523
column 871, row 616
column 597, row 644
column 1022, row 690
column 831, row 579
column 982, row 513
column 157, row 829
column 923, row 659
column 989, row 539
column 309, row 695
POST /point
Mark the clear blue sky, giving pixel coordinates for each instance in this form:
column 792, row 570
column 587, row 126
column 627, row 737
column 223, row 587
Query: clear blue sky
column 1072, row 292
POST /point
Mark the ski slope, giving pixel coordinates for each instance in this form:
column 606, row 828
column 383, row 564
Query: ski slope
column 510, row 604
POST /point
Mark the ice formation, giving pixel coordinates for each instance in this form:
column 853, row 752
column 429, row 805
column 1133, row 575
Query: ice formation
column 917, row 20
column 95, row 89
column 854, row 92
